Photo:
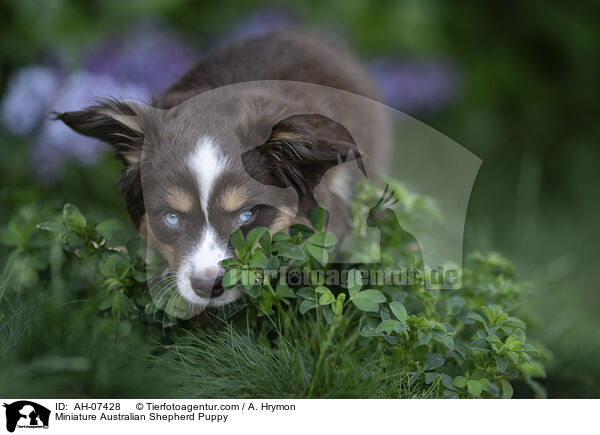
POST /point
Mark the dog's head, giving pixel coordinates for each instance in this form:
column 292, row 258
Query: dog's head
column 190, row 180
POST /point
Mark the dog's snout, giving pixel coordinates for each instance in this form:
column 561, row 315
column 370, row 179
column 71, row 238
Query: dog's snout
column 208, row 283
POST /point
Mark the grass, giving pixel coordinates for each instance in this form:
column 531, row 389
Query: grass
column 73, row 359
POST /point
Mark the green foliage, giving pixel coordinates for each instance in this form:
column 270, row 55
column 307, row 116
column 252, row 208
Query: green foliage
column 315, row 336
column 447, row 337
column 67, row 249
column 465, row 341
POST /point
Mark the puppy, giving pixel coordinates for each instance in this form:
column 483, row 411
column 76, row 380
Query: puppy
column 257, row 134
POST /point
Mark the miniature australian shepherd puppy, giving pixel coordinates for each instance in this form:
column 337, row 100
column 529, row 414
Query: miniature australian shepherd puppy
column 196, row 169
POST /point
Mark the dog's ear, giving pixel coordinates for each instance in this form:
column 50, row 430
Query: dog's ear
column 117, row 123
column 112, row 121
column 299, row 151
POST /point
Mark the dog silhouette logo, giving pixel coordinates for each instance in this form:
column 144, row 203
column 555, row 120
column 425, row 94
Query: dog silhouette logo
column 26, row 414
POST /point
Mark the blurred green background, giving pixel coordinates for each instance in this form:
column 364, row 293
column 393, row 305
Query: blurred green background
column 522, row 93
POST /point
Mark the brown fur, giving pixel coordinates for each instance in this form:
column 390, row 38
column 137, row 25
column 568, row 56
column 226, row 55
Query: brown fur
column 179, row 199
column 233, row 198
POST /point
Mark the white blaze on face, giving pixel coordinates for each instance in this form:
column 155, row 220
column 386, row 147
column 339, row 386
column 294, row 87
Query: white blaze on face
column 207, row 164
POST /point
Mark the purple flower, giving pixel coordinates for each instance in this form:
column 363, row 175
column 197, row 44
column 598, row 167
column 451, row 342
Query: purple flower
column 148, row 55
column 416, row 86
column 56, row 142
column 29, row 94
column 147, row 60
column 258, row 23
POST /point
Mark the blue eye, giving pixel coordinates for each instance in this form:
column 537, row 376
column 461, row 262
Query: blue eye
column 245, row 217
column 171, row 219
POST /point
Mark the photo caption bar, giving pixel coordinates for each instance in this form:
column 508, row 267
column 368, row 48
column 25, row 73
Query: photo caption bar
column 152, row 416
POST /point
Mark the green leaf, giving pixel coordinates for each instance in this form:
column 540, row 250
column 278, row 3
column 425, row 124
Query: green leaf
column 317, row 218
column 447, row 381
column 520, row 335
column 304, row 231
column 306, row 306
column 354, row 281
column 252, row 291
column 481, row 345
column 284, row 290
column 307, row 293
column 507, row 389
column 326, row 240
column 72, row 239
column 322, row 290
column 444, row 340
column 398, row 310
column 424, row 337
column 54, row 227
column 501, row 363
column 493, row 338
column 329, row 314
column 430, row 377
column 369, row 331
column 133, row 246
column 232, row 278
column 73, row 217
column 123, row 270
column 258, row 260
column 107, row 227
column 460, row 382
column 337, row 306
column 485, row 383
column 386, row 326
column 139, row 275
column 237, row 240
column 434, row 361
column 326, row 299
column 318, row 253
column 229, row 262
column 266, row 304
column 529, row 348
column 514, row 356
column 254, row 236
column 475, row 387
column 105, row 302
column 281, row 237
column 475, row 316
column 368, row 300
column 111, row 284
column 250, row 277
column 291, row 252
column 513, row 322
column 108, row 264
column 400, row 327
column 124, row 328
column 265, row 242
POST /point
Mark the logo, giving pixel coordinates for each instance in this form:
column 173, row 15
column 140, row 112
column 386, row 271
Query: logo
column 26, row 414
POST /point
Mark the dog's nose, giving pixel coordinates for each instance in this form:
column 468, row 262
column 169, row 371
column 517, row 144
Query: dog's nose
column 208, row 284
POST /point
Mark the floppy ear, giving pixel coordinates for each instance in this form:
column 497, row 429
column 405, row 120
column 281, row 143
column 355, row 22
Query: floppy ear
column 116, row 123
column 298, row 153
column 112, row 121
